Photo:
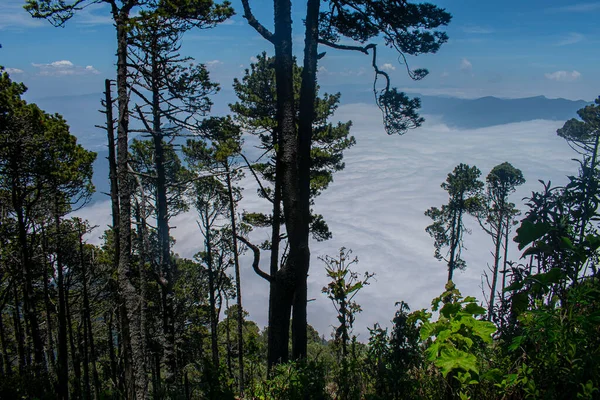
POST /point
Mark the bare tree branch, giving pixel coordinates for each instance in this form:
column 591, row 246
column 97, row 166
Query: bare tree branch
column 253, row 22
column 256, row 261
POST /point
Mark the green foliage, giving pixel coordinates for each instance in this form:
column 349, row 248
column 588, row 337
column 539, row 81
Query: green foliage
column 256, row 113
column 464, row 191
column 392, row 359
column 405, row 27
column 341, row 290
column 293, row 381
column 455, row 342
column 558, row 347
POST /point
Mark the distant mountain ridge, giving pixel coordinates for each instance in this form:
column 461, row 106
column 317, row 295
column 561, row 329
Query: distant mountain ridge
column 490, row 111
column 481, row 112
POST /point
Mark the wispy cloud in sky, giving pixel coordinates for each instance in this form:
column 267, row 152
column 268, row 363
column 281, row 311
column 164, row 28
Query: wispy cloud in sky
column 466, row 66
column 577, row 7
column 388, row 67
column 213, row 63
column 14, row 71
column 563, row 76
column 476, row 29
column 13, row 16
column 571, row 38
column 64, row 68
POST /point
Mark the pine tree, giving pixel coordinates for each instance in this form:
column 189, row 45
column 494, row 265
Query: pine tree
column 447, row 229
column 407, row 28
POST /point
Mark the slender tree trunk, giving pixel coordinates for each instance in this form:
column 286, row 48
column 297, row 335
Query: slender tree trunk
column 453, row 245
column 49, row 308
column 133, row 346
column 275, row 241
column 63, row 354
column 6, row 367
column 87, row 320
column 75, row 356
column 28, row 291
column 505, row 261
column 497, row 245
column 284, row 281
column 228, row 339
column 19, row 334
column 162, row 218
column 211, row 289
column 111, row 349
column 308, row 93
column 238, row 283
column 87, row 388
column 114, row 196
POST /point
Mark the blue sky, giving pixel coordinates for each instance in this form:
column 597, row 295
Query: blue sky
column 506, row 49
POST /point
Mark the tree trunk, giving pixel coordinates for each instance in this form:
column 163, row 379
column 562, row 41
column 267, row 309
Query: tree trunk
column 28, row 291
column 63, row 354
column 238, row 283
column 49, row 308
column 111, row 349
column 211, row 295
column 497, row 243
column 6, row 366
column 75, row 356
column 283, row 284
column 453, row 243
column 228, row 339
column 19, row 334
column 87, row 320
column 306, row 118
column 133, row 346
column 114, row 196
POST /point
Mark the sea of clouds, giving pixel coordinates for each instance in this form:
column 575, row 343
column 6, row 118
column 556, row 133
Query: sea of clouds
column 375, row 207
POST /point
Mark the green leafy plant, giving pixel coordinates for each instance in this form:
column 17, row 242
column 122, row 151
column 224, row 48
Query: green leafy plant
column 454, row 342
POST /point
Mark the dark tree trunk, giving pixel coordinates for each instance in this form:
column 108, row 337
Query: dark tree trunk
column 19, row 334
column 497, row 247
column 6, row 367
column 63, row 353
column 306, row 118
column 133, row 346
column 228, row 339
column 28, row 291
column 111, row 348
column 283, row 283
column 90, row 358
column 212, row 301
column 75, row 356
column 49, row 308
column 162, row 220
column 114, row 196
column 238, row 284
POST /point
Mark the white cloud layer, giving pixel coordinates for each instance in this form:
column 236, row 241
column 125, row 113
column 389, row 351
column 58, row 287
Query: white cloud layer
column 563, row 76
column 388, row 67
column 375, row 207
column 64, row 68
